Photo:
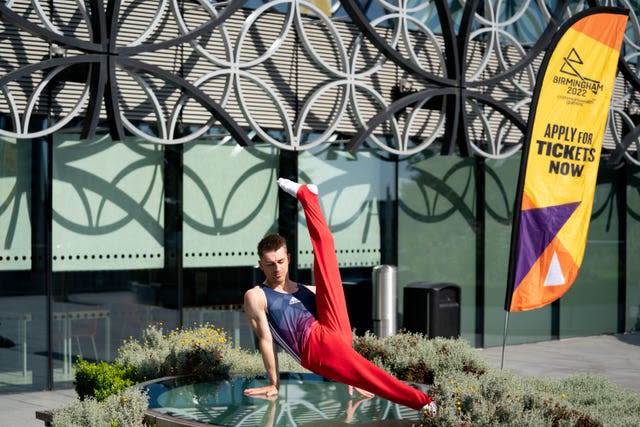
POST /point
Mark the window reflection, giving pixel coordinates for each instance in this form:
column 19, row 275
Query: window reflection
column 304, row 399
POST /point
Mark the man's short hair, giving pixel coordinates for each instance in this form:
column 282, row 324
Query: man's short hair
column 271, row 243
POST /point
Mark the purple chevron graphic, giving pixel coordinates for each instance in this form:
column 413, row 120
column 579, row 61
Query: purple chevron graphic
column 538, row 227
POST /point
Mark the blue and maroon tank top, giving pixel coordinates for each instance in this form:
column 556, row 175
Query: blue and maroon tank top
column 290, row 317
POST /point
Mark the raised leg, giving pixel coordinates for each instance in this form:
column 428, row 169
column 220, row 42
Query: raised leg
column 330, row 301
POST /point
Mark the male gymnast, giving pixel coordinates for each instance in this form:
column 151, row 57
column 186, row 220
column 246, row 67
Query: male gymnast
column 311, row 322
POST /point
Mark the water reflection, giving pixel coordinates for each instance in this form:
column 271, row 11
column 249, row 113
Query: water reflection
column 304, row 400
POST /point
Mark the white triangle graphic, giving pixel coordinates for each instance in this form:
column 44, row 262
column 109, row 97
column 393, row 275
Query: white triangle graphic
column 554, row 275
column 294, row 300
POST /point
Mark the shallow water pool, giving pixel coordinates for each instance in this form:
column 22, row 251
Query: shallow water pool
column 304, row 400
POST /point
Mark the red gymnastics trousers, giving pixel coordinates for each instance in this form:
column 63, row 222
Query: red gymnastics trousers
column 328, row 351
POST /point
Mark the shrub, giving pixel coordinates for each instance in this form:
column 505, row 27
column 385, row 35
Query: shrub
column 100, row 380
column 124, row 409
column 248, row 364
column 467, row 389
column 147, row 357
column 415, row 358
column 470, row 392
column 196, row 351
column 604, row 401
column 203, row 351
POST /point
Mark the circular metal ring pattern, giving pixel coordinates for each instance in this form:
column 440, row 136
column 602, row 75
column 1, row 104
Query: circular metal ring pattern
column 317, row 72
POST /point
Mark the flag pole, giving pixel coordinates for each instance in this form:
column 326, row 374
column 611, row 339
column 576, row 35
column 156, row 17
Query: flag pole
column 504, row 337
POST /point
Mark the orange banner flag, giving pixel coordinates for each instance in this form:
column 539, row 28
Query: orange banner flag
column 560, row 158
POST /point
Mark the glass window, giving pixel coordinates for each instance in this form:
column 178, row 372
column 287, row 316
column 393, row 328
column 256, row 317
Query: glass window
column 230, row 200
column 108, row 245
column 108, row 206
column 590, row 306
column 23, row 342
column 501, row 179
column 15, row 194
column 353, row 189
column 633, row 249
column 436, row 227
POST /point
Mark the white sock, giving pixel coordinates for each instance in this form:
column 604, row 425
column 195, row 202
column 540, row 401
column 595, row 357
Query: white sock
column 289, row 186
column 293, row 187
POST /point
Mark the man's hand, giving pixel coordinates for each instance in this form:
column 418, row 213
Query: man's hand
column 268, row 391
column 352, row 406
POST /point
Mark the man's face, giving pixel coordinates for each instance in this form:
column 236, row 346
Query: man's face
column 275, row 265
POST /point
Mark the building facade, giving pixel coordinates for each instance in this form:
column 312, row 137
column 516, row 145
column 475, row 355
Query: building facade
column 140, row 143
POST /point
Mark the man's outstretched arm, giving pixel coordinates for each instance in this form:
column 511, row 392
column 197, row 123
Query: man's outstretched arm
column 255, row 307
